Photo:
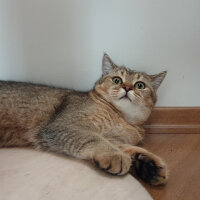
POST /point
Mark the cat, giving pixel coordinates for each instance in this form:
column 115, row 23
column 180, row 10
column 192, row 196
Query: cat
column 103, row 125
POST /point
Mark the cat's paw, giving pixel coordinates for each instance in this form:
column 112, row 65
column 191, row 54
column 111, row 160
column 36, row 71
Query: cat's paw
column 116, row 163
column 149, row 168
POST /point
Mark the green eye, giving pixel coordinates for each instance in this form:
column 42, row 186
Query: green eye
column 117, row 80
column 140, row 85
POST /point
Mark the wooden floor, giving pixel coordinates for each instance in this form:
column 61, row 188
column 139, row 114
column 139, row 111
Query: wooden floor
column 182, row 154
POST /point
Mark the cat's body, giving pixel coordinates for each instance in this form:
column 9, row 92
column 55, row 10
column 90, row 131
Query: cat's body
column 101, row 125
column 26, row 108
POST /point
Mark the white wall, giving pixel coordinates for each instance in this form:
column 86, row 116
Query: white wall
column 61, row 42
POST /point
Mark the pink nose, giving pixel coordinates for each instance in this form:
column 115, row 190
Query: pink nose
column 127, row 88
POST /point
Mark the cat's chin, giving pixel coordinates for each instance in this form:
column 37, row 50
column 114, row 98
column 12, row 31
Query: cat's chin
column 133, row 113
column 124, row 104
column 125, row 98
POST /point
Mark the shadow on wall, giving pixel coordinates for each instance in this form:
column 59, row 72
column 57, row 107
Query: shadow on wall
column 47, row 42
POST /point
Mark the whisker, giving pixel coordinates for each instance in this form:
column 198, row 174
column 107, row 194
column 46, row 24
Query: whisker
column 137, row 98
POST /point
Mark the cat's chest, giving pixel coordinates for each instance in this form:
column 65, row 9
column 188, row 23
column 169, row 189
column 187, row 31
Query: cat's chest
column 116, row 129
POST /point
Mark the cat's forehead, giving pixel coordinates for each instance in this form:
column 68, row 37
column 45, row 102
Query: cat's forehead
column 130, row 75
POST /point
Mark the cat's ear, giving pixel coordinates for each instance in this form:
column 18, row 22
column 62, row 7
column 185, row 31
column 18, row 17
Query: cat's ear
column 107, row 64
column 157, row 79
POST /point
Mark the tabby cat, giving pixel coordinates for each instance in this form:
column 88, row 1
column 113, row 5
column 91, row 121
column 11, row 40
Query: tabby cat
column 103, row 125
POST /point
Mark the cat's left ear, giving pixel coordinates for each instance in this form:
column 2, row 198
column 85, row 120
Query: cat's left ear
column 107, row 64
column 157, row 79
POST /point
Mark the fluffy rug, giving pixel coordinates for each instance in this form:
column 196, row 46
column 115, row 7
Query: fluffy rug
column 26, row 174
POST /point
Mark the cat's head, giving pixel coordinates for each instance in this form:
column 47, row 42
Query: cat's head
column 133, row 93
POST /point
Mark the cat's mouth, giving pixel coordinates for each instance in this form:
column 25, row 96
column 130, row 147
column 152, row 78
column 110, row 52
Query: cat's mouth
column 125, row 97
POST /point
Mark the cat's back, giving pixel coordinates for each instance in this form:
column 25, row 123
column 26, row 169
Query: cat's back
column 17, row 97
column 25, row 106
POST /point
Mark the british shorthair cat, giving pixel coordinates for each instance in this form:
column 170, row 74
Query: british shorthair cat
column 103, row 125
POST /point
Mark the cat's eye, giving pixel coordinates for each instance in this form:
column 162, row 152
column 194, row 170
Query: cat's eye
column 139, row 85
column 117, row 80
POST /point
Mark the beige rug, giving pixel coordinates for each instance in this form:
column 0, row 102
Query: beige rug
column 26, row 174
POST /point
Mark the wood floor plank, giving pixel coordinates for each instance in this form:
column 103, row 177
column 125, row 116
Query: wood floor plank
column 182, row 154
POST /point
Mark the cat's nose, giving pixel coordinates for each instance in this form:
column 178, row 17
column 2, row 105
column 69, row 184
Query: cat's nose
column 127, row 88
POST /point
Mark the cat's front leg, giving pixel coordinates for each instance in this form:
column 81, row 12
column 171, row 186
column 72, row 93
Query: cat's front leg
column 84, row 144
column 111, row 160
column 146, row 165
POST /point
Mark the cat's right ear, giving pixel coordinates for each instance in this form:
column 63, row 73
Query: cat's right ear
column 107, row 65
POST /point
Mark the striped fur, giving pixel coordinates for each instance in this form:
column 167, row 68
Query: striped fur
column 99, row 125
